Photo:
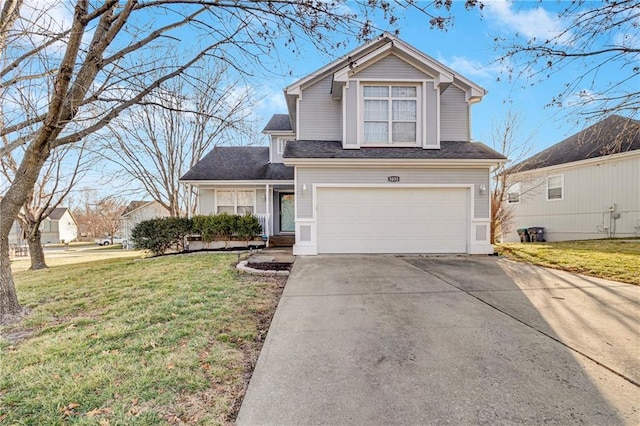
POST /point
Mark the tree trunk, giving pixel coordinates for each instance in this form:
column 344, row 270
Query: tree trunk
column 8, row 298
column 15, row 197
column 34, row 239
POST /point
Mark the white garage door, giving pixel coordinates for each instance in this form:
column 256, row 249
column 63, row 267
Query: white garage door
column 392, row 220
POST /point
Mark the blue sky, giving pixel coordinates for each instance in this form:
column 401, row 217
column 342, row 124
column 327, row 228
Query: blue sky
column 468, row 47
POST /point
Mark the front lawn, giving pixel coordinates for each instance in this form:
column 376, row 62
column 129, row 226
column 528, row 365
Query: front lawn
column 617, row 260
column 134, row 341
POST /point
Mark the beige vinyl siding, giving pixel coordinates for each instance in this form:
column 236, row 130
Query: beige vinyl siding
column 454, row 115
column 310, row 175
column 391, row 67
column 588, row 191
column 206, row 201
column 275, row 157
column 351, row 122
column 320, row 115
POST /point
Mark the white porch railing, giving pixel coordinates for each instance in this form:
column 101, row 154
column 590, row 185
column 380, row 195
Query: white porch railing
column 263, row 218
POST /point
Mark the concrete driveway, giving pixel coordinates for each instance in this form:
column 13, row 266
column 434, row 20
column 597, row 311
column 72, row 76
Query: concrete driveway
column 459, row 340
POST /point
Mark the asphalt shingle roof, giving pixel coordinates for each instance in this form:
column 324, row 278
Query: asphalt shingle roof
column 278, row 123
column 134, row 205
column 238, row 163
column 613, row 135
column 447, row 151
column 57, row 213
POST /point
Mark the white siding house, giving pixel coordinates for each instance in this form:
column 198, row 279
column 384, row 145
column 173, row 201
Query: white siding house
column 585, row 187
column 136, row 212
column 59, row 227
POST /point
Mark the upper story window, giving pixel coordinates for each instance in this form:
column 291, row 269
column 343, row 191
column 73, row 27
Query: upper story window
column 390, row 114
column 513, row 195
column 235, row 202
column 280, row 145
column 555, row 187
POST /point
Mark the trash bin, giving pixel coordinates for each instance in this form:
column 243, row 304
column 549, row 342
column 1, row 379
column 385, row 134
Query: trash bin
column 524, row 235
column 536, row 234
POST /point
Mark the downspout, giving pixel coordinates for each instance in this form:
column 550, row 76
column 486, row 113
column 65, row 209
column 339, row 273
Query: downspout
column 267, row 221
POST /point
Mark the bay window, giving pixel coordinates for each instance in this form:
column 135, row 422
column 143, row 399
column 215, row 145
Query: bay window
column 235, row 202
column 390, row 114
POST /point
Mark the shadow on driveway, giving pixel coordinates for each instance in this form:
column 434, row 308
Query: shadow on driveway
column 391, row 340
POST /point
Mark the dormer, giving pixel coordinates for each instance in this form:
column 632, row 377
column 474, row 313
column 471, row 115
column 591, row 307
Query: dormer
column 383, row 94
column 279, row 131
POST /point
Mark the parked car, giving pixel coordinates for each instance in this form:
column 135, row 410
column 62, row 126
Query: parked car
column 105, row 241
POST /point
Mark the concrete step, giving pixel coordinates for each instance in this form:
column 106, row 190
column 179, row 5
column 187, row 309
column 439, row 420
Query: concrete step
column 281, row 241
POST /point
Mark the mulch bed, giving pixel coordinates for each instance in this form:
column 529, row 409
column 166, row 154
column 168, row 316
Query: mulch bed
column 271, row 266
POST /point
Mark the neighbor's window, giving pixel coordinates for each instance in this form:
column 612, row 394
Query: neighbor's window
column 555, row 187
column 390, row 114
column 235, row 202
column 513, row 196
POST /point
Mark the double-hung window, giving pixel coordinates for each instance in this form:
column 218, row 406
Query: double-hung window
column 513, row 195
column 390, row 114
column 235, row 202
column 555, row 187
column 281, row 144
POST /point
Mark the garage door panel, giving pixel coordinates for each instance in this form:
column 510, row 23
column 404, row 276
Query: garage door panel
column 398, row 220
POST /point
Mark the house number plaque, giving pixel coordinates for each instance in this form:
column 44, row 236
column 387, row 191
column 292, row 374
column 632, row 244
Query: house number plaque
column 393, row 178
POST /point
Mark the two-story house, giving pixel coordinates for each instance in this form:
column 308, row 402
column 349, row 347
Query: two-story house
column 373, row 156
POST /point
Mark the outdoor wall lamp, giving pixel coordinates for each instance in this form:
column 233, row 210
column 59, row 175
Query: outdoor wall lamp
column 304, row 188
column 483, row 188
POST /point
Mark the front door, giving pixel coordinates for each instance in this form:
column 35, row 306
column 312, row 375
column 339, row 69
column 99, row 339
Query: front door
column 287, row 213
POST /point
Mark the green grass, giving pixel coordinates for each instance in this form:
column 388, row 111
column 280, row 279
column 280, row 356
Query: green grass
column 134, row 341
column 611, row 259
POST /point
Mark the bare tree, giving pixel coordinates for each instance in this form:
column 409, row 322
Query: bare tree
column 63, row 81
column 507, row 140
column 159, row 140
column 59, row 175
column 595, row 36
column 105, row 216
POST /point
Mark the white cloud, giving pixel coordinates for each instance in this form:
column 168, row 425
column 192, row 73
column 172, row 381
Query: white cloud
column 535, row 22
column 475, row 69
column 272, row 102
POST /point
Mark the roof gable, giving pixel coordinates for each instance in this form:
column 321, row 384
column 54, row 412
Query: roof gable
column 613, row 135
column 135, row 205
column 57, row 213
column 367, row 54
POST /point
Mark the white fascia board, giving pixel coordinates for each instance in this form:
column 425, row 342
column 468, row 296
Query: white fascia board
column 200, row 183
column 580, row 163
column 320, row 73
column 279, row 132
column 368, row 162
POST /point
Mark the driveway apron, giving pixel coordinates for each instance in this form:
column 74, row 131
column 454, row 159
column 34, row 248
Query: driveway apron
column 459, row 340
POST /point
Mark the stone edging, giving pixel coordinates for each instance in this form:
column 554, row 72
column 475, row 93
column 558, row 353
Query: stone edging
column 242, row 266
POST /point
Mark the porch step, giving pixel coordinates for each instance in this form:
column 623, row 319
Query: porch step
column 282, row 241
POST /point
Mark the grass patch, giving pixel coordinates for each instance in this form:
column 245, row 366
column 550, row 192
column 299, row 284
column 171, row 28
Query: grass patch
column 134, row 341
column 611, row 259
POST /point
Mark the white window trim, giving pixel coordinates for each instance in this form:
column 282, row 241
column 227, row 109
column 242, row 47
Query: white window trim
column 515, row 188
column 561, row 176
column 235, row 199
column 420, row 120
column 281, row 143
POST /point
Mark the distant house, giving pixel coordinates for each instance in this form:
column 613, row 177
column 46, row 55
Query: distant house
column 136, row 212
column 585, row 187
column 59, row 227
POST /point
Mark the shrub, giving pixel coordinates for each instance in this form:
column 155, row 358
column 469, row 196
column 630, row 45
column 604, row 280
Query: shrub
column 161, row 235
column 248, row 226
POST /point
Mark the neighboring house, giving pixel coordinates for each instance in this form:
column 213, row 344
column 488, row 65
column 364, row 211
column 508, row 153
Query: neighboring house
column 16, row 236
column 59, row 227
column 136, row 212
column 373, row 156
column 585, row 187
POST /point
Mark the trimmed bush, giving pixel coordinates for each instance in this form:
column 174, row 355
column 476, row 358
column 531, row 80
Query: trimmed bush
column 248, row 226
column 161, row 235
